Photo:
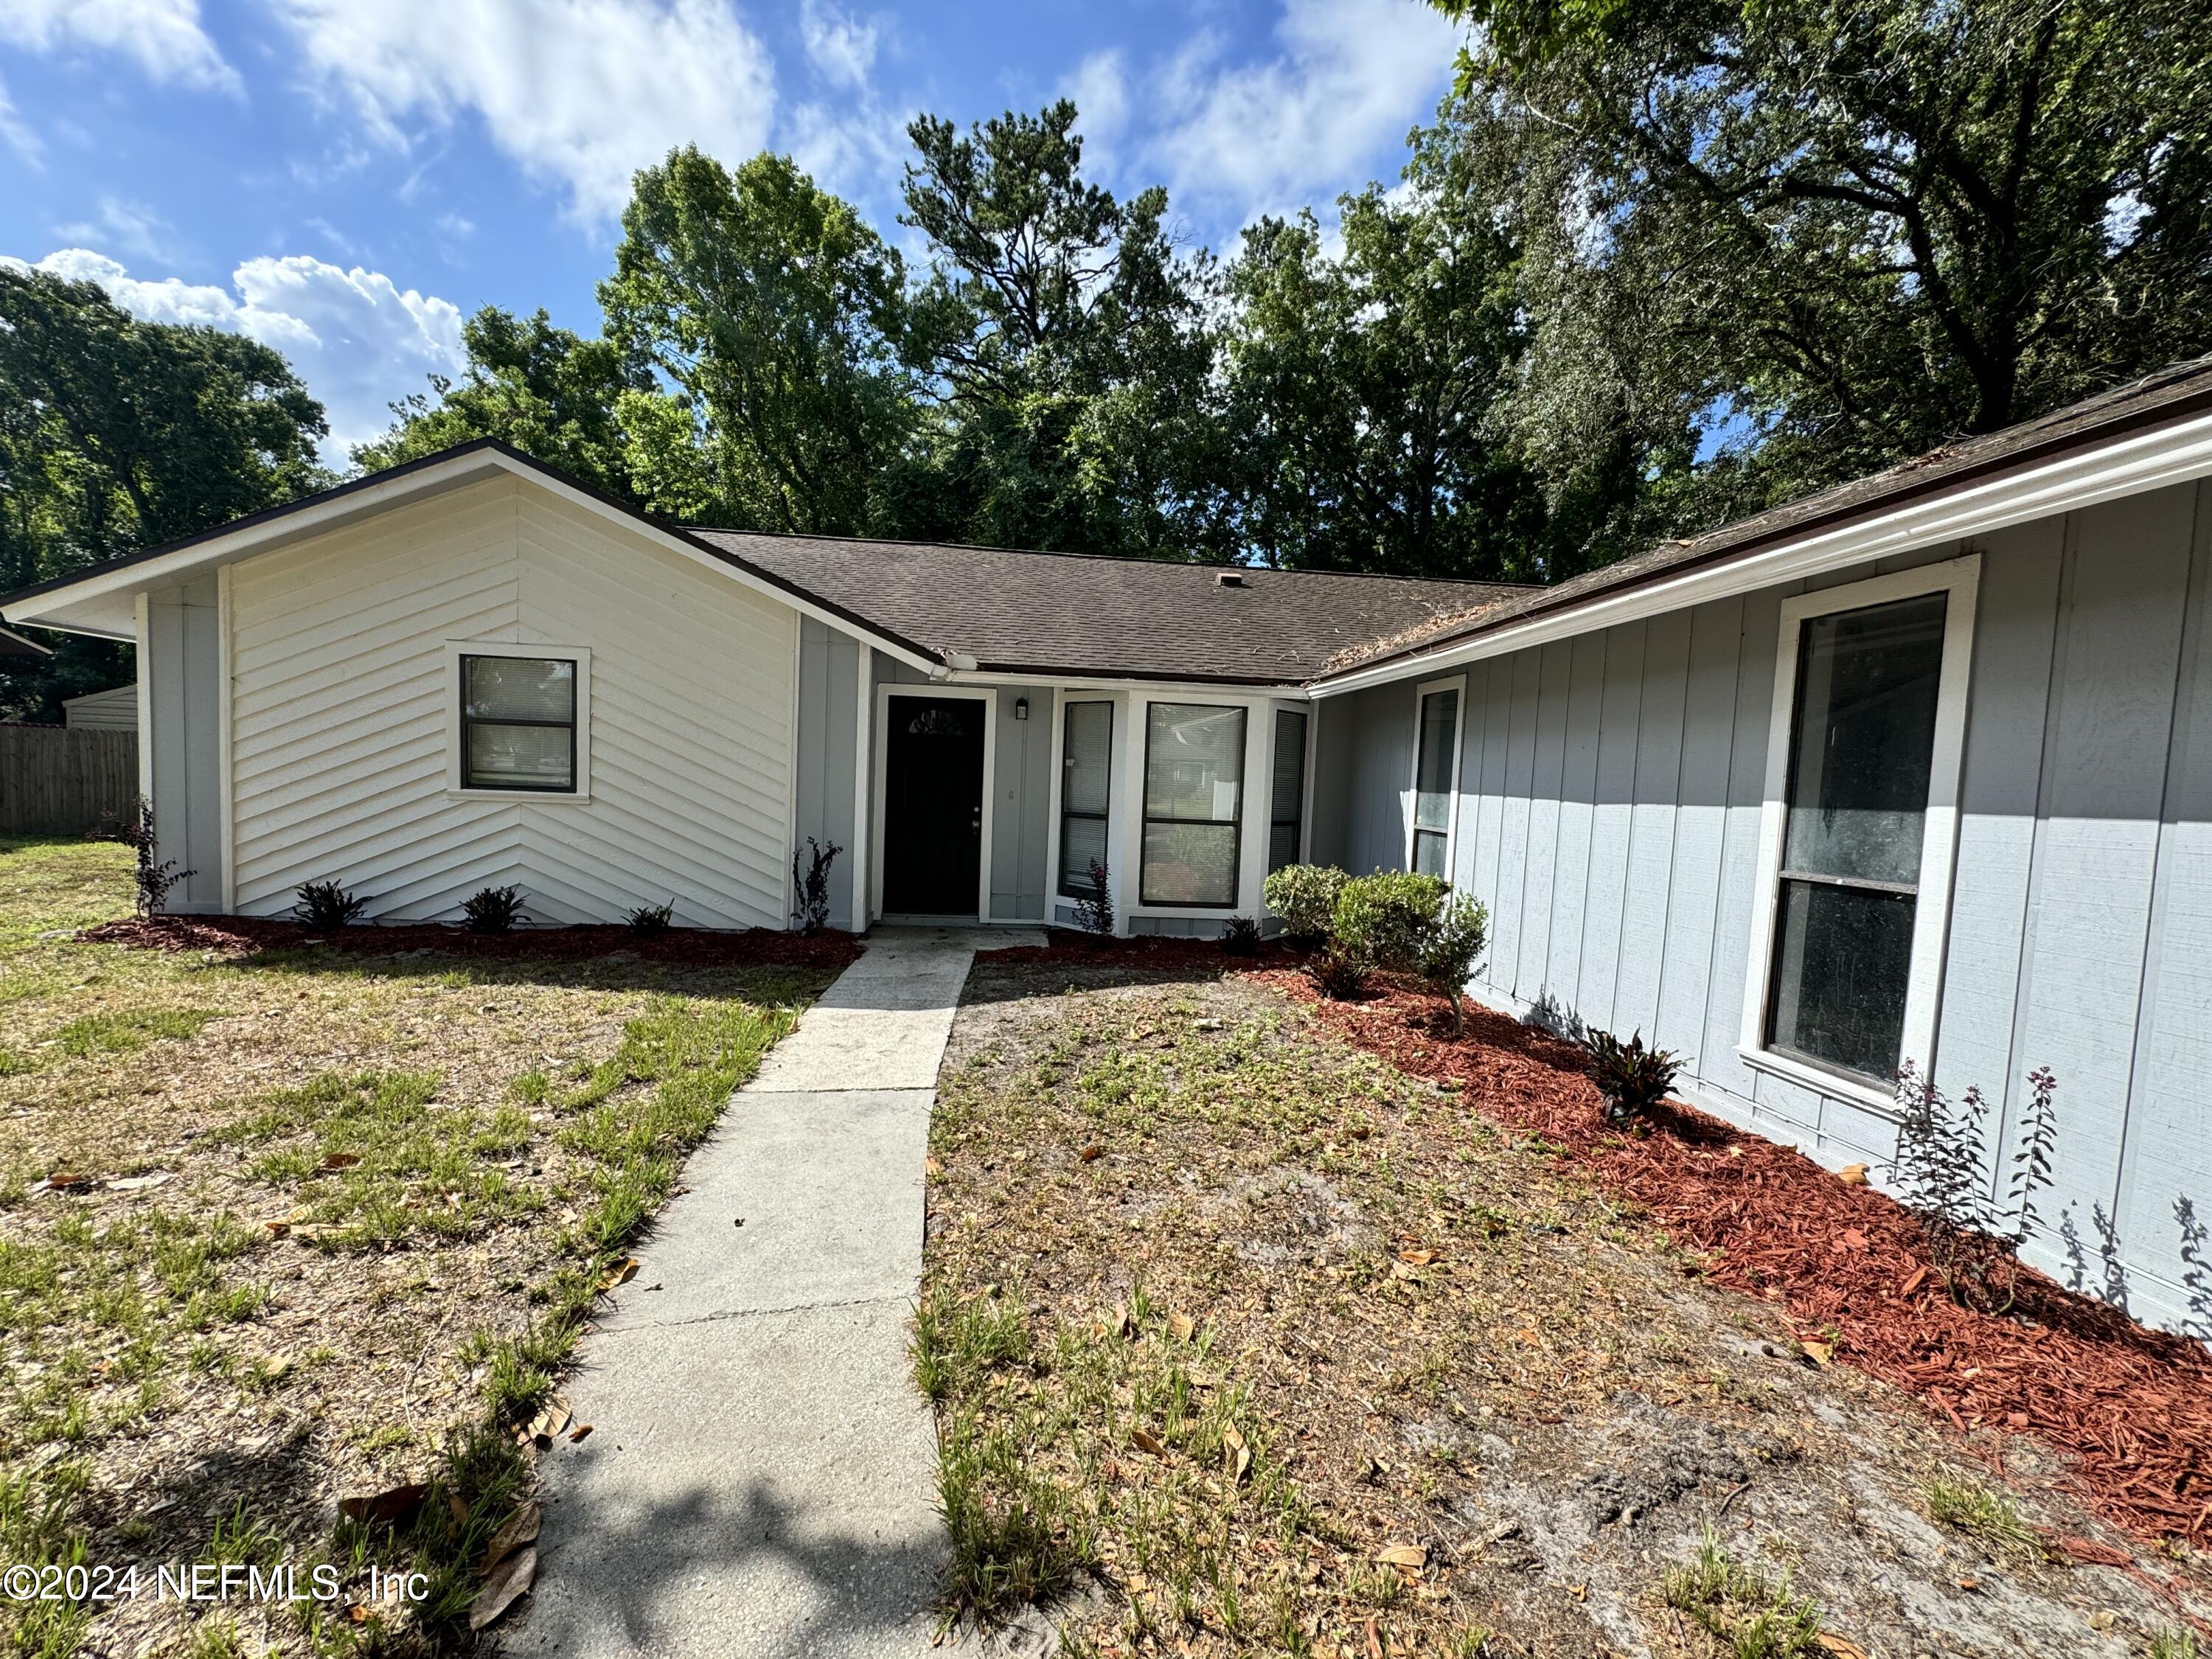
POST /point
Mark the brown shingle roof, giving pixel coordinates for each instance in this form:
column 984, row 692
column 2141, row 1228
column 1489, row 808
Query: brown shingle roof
column 1065, row 613
column 2184, row 389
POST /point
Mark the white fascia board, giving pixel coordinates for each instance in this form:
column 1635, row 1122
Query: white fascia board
column 83, row 606
column 1106, row 683
column 2125, row 467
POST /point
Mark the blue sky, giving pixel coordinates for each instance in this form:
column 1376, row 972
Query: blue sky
column 347, row 178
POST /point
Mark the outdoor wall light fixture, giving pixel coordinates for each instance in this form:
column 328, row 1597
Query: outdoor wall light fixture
column 1021, row 708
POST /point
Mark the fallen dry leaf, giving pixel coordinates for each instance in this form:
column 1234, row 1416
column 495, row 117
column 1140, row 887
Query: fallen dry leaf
column 522, row 1528
column 1146, row 1442
column 552, row 1418
column 515, row 1576
column 1092, row 1154
column 1181, row 1327
column 1403, row 1555
column 339, row 1161
column 579, row 1432
column 1418, row 1258
column 137, row 1184
column 1842, row 1646
column 385, row 1509
column 621, row 1273
column 70, row 1181
column 1820, row 1354
column 1235, row 1453
column 1852, row 1175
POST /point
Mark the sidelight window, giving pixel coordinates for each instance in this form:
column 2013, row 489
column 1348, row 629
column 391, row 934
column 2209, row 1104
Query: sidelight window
column 1086, row 764
column 1435, row 778
column 1286, row 810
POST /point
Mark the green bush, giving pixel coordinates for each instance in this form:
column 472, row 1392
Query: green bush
column 1304, row 896
column 1389, row 917
column 1454, row 947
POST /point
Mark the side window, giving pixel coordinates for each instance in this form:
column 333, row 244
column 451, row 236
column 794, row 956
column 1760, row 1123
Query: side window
column 1286, row 810
column 1086, row 762
column 518, row 719
column 1435, row 778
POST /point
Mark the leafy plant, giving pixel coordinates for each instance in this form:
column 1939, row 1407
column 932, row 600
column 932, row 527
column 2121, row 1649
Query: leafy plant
column 492, row 909
column 1454, row 945
column 1094, row 905
column 1945, row 1177
column 1342, row 971
column 1389, row 917
column 1304, row 896
column 1240, row 937
column 325, row 906
column 1632, row 1078
column 153, row 875
column 812, row 887
column 650, row 919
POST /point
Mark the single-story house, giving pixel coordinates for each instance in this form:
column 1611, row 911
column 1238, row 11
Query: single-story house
column 1919, row 769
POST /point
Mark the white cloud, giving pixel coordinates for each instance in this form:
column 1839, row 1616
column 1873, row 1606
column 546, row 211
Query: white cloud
column 131, row 226
column 356, row 337
column 1100, row 87
column 843, row 48
column 1350, row 78
column 18, row 136
column 164, row 37
column 581, row 94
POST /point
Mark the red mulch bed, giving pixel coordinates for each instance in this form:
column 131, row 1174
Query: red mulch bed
column 2131, row 1408
column 692, row 947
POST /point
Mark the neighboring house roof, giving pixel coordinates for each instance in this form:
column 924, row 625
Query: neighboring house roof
column 13, row 644
column 1012, row 612
column 2171, row 393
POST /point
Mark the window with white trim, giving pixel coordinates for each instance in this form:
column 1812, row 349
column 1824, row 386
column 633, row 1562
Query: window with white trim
column 519, row 721
column 1194, row 804
column 1856, row 858
column 1287, row 808
column 1435, row 778
column 1086, row 774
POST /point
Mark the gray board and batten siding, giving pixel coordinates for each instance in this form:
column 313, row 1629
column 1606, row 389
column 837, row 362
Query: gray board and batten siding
column 1609, row 814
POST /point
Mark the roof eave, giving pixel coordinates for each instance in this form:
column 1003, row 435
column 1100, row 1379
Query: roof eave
column 2149, row 450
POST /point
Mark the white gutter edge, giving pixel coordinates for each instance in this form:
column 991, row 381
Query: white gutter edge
column 2125, row 466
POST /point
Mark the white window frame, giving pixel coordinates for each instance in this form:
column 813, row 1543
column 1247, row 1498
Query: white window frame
column 532, row 650
column 933, row 691
column 1421, row 694
column 1959, row 580
column 1059, row 703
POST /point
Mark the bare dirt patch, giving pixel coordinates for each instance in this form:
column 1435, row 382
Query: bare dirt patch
column 280, row 1221
column 1244, row 1340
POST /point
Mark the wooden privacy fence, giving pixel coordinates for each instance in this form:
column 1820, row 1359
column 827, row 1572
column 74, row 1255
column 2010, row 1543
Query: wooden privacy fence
column 60, row 781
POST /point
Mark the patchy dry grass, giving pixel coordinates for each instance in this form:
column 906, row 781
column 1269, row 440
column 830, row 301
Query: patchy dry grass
column 1243, row 1342
column 281, row 1228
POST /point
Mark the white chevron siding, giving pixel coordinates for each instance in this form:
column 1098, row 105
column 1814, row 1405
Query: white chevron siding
column 341, row 691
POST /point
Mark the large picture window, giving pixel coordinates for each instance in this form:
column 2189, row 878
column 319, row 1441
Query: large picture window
column 1860, row 804
column 1194, row 804
column 1086, row 762
column 519, row 724
column 1287, row 804
column 1435, row 778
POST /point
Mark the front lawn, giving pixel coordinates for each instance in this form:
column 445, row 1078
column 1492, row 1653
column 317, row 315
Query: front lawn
column 284, row 1226
column 1243, row 1341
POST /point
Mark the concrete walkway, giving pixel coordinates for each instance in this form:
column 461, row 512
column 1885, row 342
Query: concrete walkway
column 761, row 1476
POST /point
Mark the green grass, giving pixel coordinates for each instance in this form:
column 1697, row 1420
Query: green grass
column 1968, row 1508
column 1749, row 1614
column 2173, row 1644
column 120, row 1031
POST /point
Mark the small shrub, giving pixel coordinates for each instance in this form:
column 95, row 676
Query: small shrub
column 1240, row 937
column 1943, row 1169
column 1094, row 905
column 1389, row 917
column 812, row 887
column 1304, row 896
column 1455, row 947
column 1341, row 971
column 650, row 919
column 492, row 909
column 1632, row 1078
column 325, row 907
column 153, row 877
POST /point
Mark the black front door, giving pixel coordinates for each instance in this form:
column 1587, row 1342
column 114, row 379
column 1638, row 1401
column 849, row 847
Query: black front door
column 933, row 805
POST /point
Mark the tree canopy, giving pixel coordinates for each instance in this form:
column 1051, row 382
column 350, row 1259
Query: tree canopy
column 118, row 433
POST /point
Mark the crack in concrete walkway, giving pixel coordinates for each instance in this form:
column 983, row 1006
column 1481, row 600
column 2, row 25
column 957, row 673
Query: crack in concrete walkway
column 760, row 1480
